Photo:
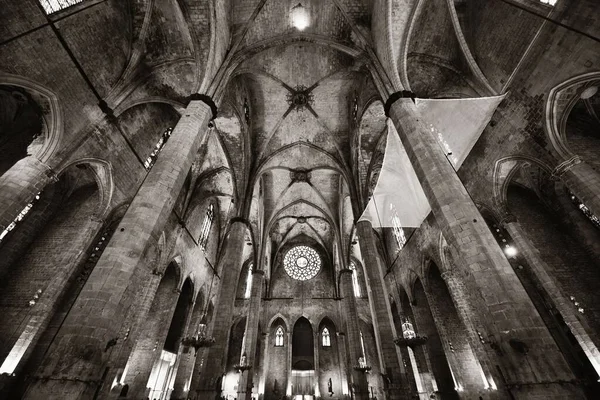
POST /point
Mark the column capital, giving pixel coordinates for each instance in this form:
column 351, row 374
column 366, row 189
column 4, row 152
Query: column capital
column 346, row 271
column 564, row 166
column 206, row 99
column 403, row 94
column 506, row 218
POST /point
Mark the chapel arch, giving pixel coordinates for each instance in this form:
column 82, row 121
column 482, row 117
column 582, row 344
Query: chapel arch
column 31, row 120
column 562, row 126
column 582, row 127
column 43, row 252
column 22, row 125
column 277, row 361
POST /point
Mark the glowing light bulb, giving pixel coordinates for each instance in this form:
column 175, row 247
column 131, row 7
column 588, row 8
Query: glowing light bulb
column 510, row 251
column 300, row 18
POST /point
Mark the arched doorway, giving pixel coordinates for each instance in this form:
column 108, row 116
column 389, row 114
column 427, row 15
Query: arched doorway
column 303, row 361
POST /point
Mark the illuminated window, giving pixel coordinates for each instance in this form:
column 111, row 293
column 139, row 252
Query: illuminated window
column 549, row 2
column 159, row 146
column 19, row 217
column 302, row 263
column 362, row 346
column 20, row 347
column 52, row 6
column 355, row 283
column 398, row 231
column 582, row 207
column 206, row 225
column 279, row 337
column 326, row 337
column 248, row 283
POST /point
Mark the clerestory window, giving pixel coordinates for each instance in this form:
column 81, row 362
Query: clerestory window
column 19, row 217
column 157, row 148
column 398, row 231
column 355, row 284
column 248, row 290
column 52, row 6
column 206, row 225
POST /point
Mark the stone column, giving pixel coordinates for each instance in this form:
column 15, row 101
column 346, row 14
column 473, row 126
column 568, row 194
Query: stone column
column 343, row 358
column 148, row 353
column 74, row 367
column 359, row 385
column 465, row 303
column 179, row 380
column 19, row 185
column 586, row 337
column 117, row 362
column 316, row 345
column 206, row 380
column 503, row 306
column 187, row 357
column 397, row 386
column 581, row 179
column 251, row 337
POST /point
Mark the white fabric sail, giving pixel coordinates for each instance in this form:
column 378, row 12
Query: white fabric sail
column 457, row 124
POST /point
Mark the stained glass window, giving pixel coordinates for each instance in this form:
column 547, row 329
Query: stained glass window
column 326, row 337
column 302, row 263
column 584, row 209
column 248, row 290
column 355, row 283
column 206, row 225
column 20, row 216
column 398, row 231
column 157, row 148
column 279, row 337
column 52, row 6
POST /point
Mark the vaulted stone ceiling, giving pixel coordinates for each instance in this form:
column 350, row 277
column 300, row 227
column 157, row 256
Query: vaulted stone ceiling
column 301, row 128
column 300, row 94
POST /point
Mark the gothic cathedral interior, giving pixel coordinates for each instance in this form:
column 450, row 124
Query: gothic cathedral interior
column 299, row 199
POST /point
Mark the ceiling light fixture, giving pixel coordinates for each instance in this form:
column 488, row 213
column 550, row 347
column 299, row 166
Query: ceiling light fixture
column 300, row 18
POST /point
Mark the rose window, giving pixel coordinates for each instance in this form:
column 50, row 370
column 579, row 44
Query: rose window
column 302, row 263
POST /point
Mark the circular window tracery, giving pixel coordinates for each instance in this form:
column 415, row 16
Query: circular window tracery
column 302, row 263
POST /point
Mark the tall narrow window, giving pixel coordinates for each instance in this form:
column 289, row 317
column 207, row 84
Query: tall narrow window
column 206, row 225
column 326, row 337
column 279, row 337
column 20, row 347
column 355, row 283
column 362, row 346
column 52, row 6
column 19, row 217
column 248, row 283
column 584, row 209
column 157, row 148
column 398, row 231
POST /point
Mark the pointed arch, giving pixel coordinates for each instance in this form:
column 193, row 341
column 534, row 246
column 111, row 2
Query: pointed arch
column 54, row 119
column 559, row 104
column 103, row 176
